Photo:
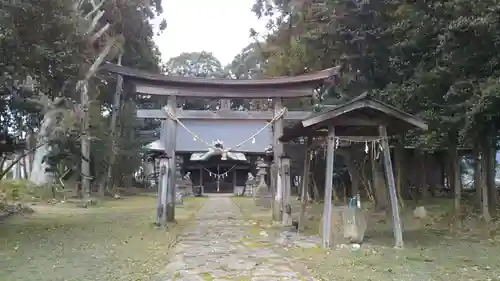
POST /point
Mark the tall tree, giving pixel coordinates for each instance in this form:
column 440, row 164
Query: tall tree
column 197, row 64
column 249, row 63
column 47, row 43
column 435, row 59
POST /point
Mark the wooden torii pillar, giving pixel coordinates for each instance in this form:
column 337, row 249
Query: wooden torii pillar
column 276, row 169
column 171, row 137
column 174, row 86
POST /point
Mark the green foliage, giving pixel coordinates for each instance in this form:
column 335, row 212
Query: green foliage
column 16, row 190
column 196, row 64
column 44, row 51
column 435, row 59
column 248, row 64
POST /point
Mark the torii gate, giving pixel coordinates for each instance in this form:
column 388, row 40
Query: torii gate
column 276, row 89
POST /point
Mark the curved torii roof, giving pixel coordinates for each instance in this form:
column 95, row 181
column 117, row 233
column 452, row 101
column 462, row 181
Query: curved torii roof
column 359, row 117
column 159, row 84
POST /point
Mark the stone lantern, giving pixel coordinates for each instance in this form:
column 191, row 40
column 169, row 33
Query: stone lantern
column 262, row 195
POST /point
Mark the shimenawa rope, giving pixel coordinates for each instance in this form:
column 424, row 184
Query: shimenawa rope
column 196, row 137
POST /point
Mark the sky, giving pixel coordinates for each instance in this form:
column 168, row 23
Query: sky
column 218, row 26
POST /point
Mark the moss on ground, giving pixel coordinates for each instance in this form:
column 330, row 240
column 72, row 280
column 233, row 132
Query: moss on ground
column 115, row 241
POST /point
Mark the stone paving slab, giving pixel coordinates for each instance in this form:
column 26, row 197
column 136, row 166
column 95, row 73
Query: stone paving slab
column 220, row 246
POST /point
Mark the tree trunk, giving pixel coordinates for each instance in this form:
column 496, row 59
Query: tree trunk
column 483, row 160
column 490, row 155
column 353, row 174
column 30, row 144
column 85, row 142
column 423, row 177
column 477, row 177
column 39, row 175
column 108, row 182
column 24, row 165
column 456, row 179
column 399, row 167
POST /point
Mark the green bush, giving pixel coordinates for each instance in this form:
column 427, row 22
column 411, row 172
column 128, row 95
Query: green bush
column 15, row 190
column 19, row 190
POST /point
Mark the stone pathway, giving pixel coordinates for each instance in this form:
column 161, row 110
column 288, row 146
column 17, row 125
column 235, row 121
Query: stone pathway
column 220, row 246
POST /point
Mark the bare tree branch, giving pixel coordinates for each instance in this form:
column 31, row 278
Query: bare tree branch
column 95, row 21
column 99, row 33
column 96, row 8
column 19, row 158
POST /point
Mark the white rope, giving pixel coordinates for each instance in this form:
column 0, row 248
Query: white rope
column 218, row 175
column 173, row 117
column 196, row 137
column 278, row 116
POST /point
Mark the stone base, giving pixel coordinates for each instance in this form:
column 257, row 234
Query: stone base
column 264, row 200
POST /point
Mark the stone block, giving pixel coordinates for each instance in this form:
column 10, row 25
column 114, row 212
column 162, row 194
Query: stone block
column 179, row 198
column 420, row 212
column 348, row 225
column 354, row 222
column 263, row 197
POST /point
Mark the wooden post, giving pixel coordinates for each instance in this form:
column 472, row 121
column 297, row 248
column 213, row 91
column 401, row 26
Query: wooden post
column 305, row 186
column 218, row 178
column 287, row 188
column 327, row 211
column 277, row 183
column 234, row 183
column 398, row 232
column 201, row 180
column 171, row 128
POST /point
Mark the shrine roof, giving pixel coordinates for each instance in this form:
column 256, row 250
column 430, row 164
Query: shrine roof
column 358, row 118
column 312, row 79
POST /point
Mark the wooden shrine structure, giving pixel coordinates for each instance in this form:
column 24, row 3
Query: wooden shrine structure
column 362, row 119
column 143, row 83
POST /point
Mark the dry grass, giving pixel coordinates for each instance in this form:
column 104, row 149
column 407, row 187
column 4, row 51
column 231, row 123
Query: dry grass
column 115, row 241
column 434, row 249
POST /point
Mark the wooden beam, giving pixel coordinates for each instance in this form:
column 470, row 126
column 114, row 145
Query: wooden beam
column 348, row 121
column 396, row 221
column 222, row 114
column 327, row 210
column 200, row 166
column 287, row 190
column 223, row 92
